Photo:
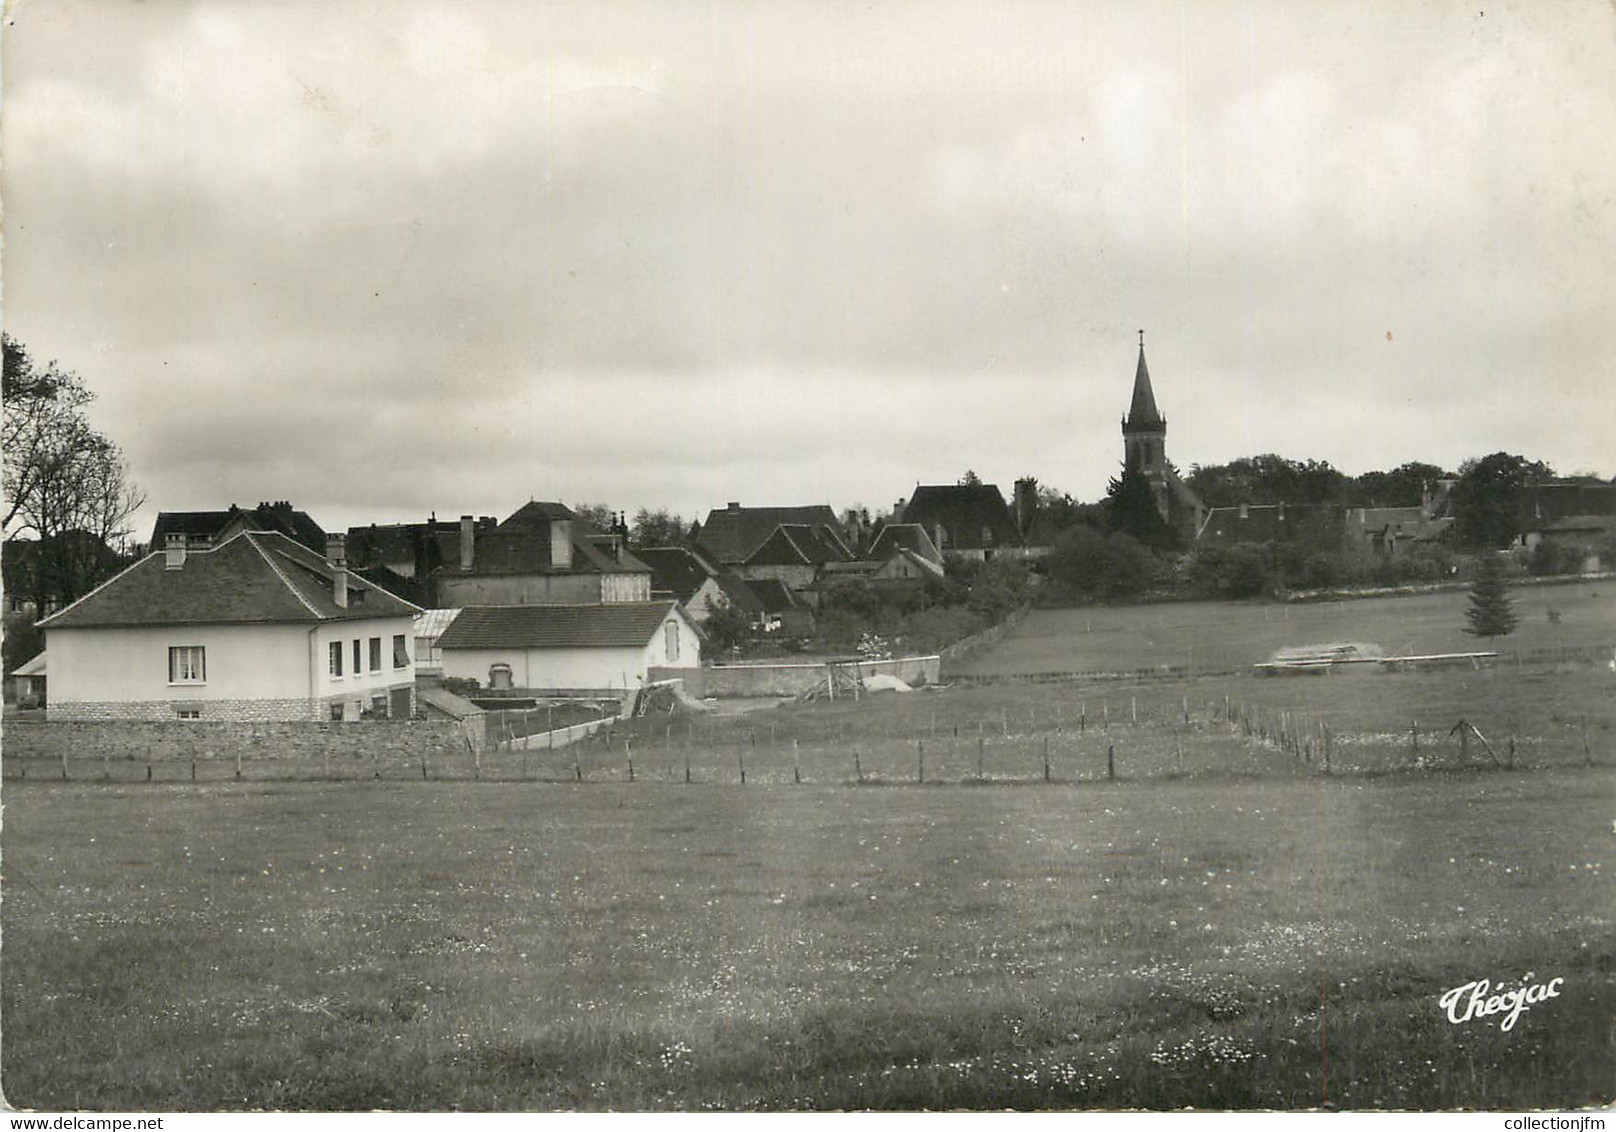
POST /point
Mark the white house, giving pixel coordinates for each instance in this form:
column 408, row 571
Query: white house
column 569, row 648
column 258, row 627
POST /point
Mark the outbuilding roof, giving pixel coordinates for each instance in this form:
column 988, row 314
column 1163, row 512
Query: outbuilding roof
column 625, row 624
column 731, row 535
column 253, row 577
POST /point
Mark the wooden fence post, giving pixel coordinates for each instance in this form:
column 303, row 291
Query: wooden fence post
column 796, row 762
column 628, row 753
column 920, row 760
column 1111, row 762
column 858, row 769
column 687, row 766
column 980, row 745
column 1046, row 758
column 740, row 761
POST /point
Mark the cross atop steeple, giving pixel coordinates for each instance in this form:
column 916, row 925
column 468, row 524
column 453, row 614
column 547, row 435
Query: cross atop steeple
column 1141, row 339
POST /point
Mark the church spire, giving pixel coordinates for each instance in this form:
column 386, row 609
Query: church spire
column 1142, row 412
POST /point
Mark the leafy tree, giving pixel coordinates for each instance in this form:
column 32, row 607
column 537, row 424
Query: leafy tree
column 597, row 515
column 727, row 626
column 1492, row 611
column 1403, row 486
column 1487, row 498
column 1243, row 571
column 657, row 528
column 970, row 479
column 1131, row 509
column 1081, row 560
column 1267, row 479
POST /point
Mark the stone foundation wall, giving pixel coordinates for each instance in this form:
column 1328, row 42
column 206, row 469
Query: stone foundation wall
column 147, row 741
column 300, row 710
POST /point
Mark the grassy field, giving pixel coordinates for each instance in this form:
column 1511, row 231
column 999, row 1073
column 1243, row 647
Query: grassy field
column 1224, row 943
column 1225, row 635
column 1222, row 925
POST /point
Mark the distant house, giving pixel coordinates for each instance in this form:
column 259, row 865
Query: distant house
column 901, row 552
column 257, row 627
column 729, row 537
column 203, row 529
column 684, row 576
column 1254, row 522
column 1592, row 535
column 543, row 554
column 606, row 647
column 1389, row 530
column 42, row 575
column 783, row 611
column 29, row 682
column 964, row 520
column 796, row 554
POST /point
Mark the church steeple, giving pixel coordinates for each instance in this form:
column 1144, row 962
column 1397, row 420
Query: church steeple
column 1142, row 413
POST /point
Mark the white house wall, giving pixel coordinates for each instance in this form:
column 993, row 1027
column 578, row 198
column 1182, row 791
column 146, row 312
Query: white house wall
column 269, row 672
column 580, row 669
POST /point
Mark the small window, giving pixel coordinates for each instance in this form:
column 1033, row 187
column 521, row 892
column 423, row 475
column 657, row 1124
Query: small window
column 187, row 664
column 336, row 658
column 499, row 676
column 187, row 713
column 356, row 597
column 375, row 654
column 358, row 657
column 671, row 640
column 336, row 711
column 401, row 651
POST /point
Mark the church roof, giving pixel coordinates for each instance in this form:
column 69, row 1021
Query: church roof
column 1143, row 409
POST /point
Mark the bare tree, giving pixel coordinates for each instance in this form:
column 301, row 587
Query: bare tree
column 64, row 481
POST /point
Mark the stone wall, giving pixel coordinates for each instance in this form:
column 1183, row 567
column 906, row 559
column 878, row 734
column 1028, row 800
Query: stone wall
column 742, row 680
column 298, row 710
column 185, row 740
column 969, row 646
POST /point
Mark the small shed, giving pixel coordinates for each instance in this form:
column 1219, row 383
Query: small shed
column 30, row 678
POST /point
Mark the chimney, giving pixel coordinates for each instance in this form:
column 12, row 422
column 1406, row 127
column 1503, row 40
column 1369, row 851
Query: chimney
column 174, row 550
column 1245, row 510
column 937, row 535
column 336, row 555
column 734, row 505
column 1282, row 512
column 561, row 544
column 468, row 541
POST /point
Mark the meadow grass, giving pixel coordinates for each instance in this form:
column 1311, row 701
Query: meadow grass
column 1261, row 941
column 1234, row 635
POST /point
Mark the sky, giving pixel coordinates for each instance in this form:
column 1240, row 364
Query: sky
column 387, row 259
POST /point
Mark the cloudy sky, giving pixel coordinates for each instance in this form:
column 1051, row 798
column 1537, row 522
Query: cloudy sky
column 388, row 258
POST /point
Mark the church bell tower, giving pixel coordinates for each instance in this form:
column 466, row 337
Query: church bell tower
column 1144, row 435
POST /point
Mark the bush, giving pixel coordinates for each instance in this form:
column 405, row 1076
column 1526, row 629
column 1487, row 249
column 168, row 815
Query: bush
column 460, row 685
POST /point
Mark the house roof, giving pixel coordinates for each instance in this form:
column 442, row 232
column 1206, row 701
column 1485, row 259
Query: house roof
column 674, row 570
column 740, row 592
column 32, row 667
column 539, row 513
column 1142, row 411
column 431, row 623
column 1570, row 523
column 775, row 595
column 627, row 624
column 965, row 512
column 799, row 544
column 731, row 535
column 1550, row 501
column 521, row 545
column 253, row 577
column 278, row 516
column 904, row 536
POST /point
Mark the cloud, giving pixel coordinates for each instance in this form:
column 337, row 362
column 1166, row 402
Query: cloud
column 791, row 250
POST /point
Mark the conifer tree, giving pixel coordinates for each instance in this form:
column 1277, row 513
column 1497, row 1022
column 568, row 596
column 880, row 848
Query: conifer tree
column 1492, row 611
